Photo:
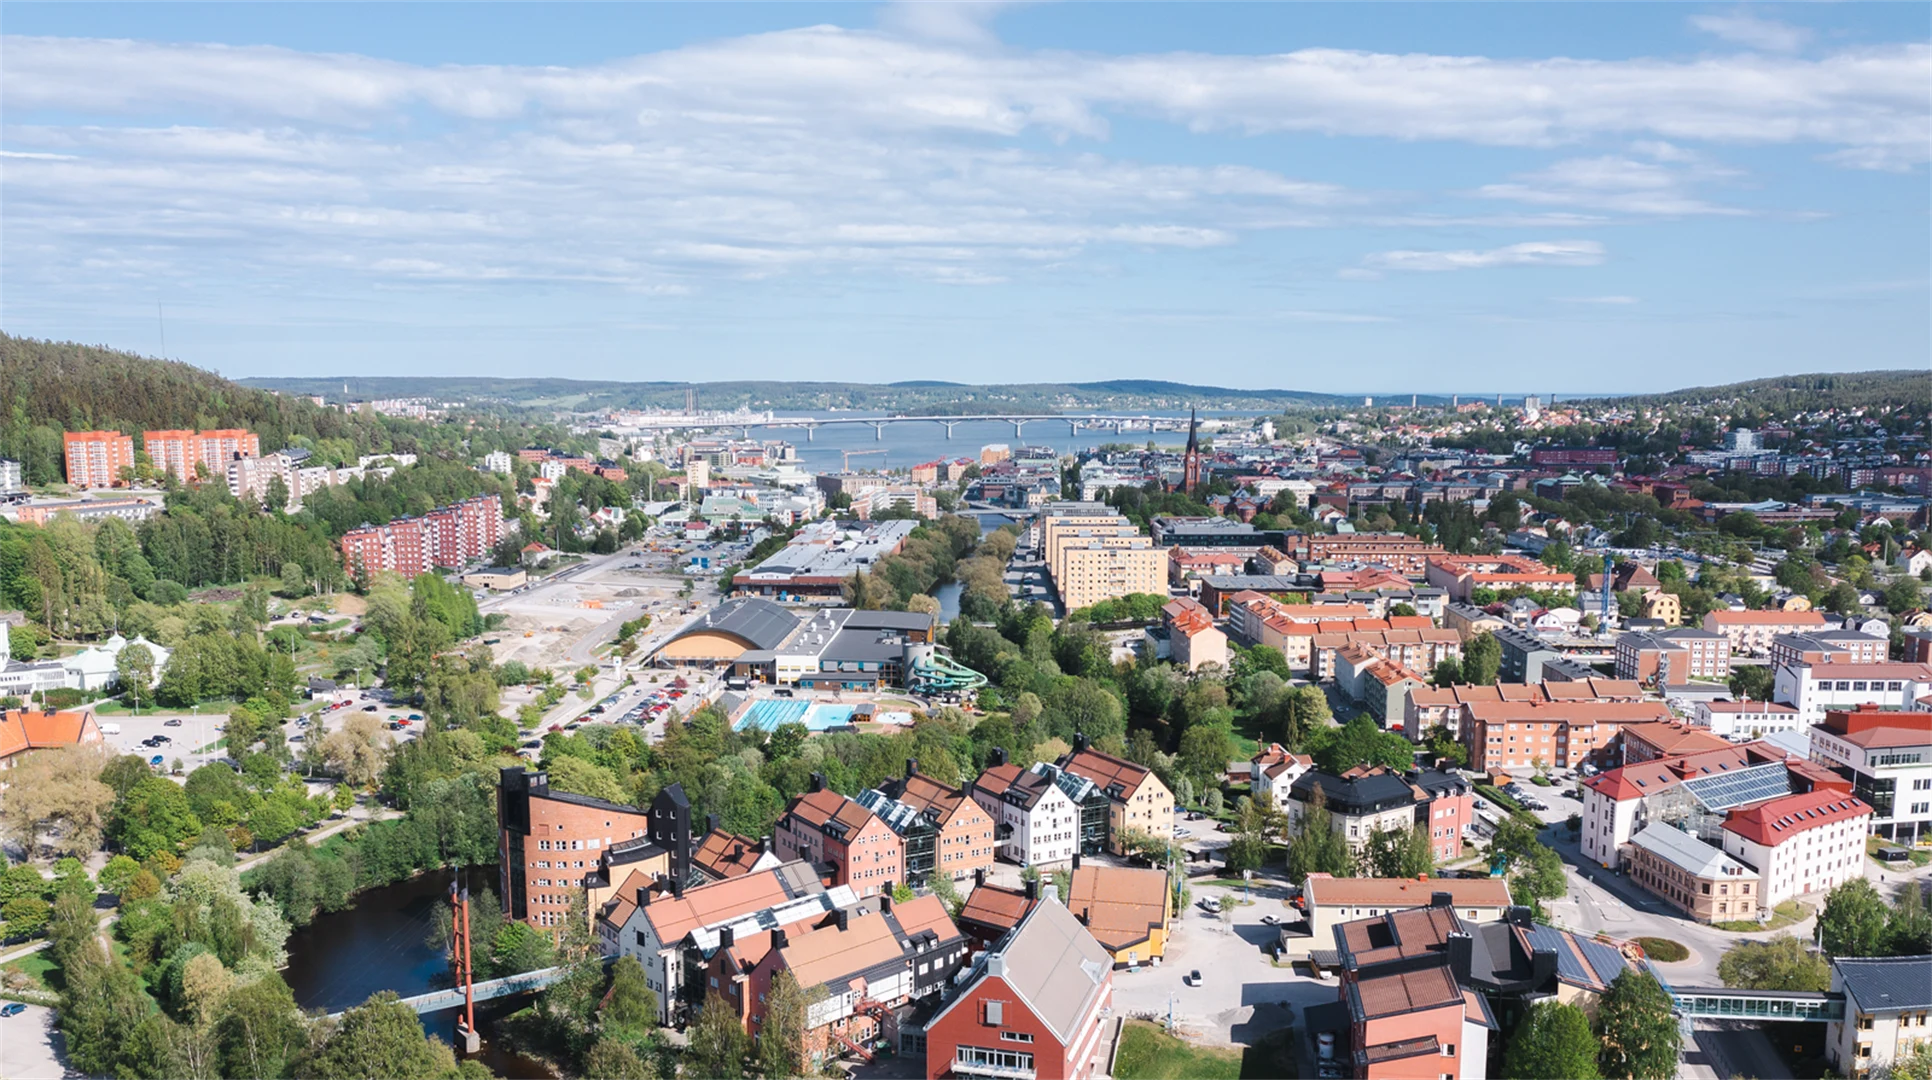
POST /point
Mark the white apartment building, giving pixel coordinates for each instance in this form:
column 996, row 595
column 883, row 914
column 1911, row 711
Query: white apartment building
column 1815, row 689
column 1888, row 758
column 1751, row 632
column 1745, row 719
column 1801, row 843
column 1035, row 820
column 499, row 462
column 1272, row 775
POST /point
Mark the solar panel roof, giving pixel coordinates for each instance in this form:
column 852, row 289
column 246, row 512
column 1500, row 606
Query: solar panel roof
column 1726, row 790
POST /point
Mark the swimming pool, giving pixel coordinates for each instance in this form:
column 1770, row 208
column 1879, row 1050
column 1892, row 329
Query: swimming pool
column 767, row 715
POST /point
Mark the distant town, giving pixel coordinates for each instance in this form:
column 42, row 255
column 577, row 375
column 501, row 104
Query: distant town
column 1391, row 740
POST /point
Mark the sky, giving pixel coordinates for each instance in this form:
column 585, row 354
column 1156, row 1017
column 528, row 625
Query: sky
column 1358, row 198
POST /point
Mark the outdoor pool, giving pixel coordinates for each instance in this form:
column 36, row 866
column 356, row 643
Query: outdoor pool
column 767, row 715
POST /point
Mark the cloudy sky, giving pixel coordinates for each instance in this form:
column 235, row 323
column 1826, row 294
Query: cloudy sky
column 1367, row 197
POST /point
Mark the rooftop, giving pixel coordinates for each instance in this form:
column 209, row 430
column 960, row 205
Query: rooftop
column 1774, row 822
column 1688, row 853
column 1404, row 892
column 1887, row 983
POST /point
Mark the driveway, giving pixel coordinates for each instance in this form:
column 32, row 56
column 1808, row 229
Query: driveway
column 31, row 1046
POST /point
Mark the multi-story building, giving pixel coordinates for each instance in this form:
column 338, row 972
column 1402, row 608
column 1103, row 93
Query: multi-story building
column 1887, row 757
column 1397, row 551
column 1815, row 689
column 858, row 968
column 95, row 458
column 1888, row 1003
column 1360, row 802
column 448, row 536
column 1037, row 820
column 1139, row 802
column 1091, row 569
column 1405, row 1011
column 1332, row 901
column 963, row 832
column 1272, row 774
column 189, row 454
column 1653, row 739
column 127, row 509
column 1514, row 736
column 1461, row 575
column 1192, row 638
column 1441, row 707
column 551, row 842
column 1753, row 719
column 1698, row 879
column 1415, row 649
column 1803, row 843
column 1751, row 632
column 846, row 843
column 1126, row 909
column 1035, row 1007
column 1673, row 657
column 498, row 462
column 1827, row 647
column 12, row 481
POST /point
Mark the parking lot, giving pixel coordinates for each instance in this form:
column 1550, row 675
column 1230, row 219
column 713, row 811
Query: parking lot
column 186, row 736
column 30, row 1044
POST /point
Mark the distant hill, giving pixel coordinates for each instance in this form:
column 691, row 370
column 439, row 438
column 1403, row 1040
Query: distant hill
column 1796, row 393
column 910, row 396
column 48, row 387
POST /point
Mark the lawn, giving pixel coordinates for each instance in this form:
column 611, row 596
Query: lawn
column 1786, row 914
column 35, row 966
column 1663, row 950
column 1148, row 1053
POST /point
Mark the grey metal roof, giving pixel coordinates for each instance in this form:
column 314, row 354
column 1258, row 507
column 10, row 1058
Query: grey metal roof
column 1360, row 795
column 1687, row 852
column 762, row 623
column 1052, row 964
column 1600, row 965
column 1882, row 984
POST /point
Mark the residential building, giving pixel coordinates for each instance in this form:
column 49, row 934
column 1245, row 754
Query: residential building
column 24, row 730
column 1406, row 1012
column 1751, row 632
column 1664, row 607
column 1331, row 901
column 95, row 458
column 1360, row 802
column 1433, row 707
column 1192, row 637
column 1809, row 842
column 1090, row 570
column 963, row 831
column 1127, row 909
column 12, row 481
column 843, row 841
column 990, row 912
column 1742, row 719
column 1513, row 736
column 721, row 855
column 1036, row 818
column 85, row 510
column 1888, row 1001
column 1139, row 802
column 1887, row 757
column 192, row 454
column 1828, row 647
column 1272, row 774
column 1667, row 658
column 446, row 537
column 1653, row 739
column 1398, row 551
column 550, row 842
column 1462, row 575
column 498, row 462
column 1036, row 1007
column 1698, row 879
column 1815, row 689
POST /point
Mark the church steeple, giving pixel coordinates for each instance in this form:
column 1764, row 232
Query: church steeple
column 1191, row 460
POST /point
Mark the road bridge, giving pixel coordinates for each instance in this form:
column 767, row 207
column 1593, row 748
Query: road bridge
column 1018, row 420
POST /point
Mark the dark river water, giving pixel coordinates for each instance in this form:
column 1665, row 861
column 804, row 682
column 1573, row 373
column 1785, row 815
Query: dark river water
column 381, row 943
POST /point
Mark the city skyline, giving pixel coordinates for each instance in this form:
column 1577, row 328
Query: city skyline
column 1320, row 198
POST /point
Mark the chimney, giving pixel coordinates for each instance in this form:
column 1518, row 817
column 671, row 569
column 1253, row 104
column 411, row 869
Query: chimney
column 778, row 938
column 677, row 887
column 1542, row 968
column 764, row 844
column 845, row 918
column 912, row 766
column 1084, row 915
column 996, row 757
column 979, row 877
column 1076, row 860
column 710, row 823
column 1050, row 892
column 885, row 900
column 1079, row 741
column 818, row 781
column 643, row 895
column 1441, row 900
column 1460, row 949
column 1032, row 888
column 726, row 939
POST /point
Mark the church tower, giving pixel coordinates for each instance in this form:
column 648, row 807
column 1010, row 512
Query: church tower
column 1191, row 461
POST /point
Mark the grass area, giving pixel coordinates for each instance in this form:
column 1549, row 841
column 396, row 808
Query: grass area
column 1148, row 1053
column 1664, row 950
column 1789, row 913
column 36, row 967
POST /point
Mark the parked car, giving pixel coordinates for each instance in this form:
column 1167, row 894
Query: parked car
column 156, row 760
column 1194, row 977
column 12, row 1008
column 368, row 708
column 173, row 721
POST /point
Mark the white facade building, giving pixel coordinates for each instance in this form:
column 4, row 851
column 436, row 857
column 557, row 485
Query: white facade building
column 1745, row 719
column 1815, row 689
column 1800, row 844
column 499, row 462
column 1035, row 820
column 1888, row 758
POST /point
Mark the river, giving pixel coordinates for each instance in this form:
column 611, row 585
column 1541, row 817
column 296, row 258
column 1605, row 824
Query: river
column 342, row 957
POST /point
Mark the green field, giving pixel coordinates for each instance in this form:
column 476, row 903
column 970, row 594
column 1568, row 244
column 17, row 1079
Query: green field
column 1148, row 1053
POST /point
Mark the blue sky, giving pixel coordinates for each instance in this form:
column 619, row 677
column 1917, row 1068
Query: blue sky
column 1373, row 198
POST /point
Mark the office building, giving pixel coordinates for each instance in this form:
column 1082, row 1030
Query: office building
column 1815, row 689
column 551, row 842
column 1887, row 758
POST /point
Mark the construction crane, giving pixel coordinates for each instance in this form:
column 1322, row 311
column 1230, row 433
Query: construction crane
column 850, row 454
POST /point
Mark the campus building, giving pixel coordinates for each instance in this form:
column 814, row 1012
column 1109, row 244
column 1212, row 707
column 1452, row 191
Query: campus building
column 551, row 844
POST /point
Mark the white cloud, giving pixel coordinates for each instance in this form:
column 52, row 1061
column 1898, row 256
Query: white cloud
column 1743, row 28
column 1531, row 253
column 1619, row 184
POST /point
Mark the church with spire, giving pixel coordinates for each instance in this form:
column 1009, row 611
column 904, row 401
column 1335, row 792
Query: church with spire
column 1191, row 460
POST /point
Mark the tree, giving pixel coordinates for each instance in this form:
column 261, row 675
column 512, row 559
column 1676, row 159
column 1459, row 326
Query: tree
column 632, row 1004
column 1359, row 742
column 1781, row 963
column 134, row 667
column 717, row 1043
column 1552, row 1040
column 781, row 1039
column 1909, row 929
column 610, row 1059
column 295, row 583
column 1902, row 595
column 118, row 874
column 56, row 797
column 1639, row 1035
column 380, row 1037
column 1535, row 871
column 357, row 749
column 1448, row 672
column 1400, row 853
column 1318, row 848
column 153, row 817
column 1751, row 682
column 259, row 1031
column 1854, row 921
column 100, row 1007
column 1482, row 658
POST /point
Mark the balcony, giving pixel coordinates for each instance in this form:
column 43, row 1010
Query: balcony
column 1000, row 1072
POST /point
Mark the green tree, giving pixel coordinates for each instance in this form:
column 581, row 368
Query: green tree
column 118, row 874
column 154, row 816
column 1553, row 1040
column 611, row 1059
column 1639, row 1035
column 1854, row 921
column 134, row 666
column 1359, row 742
column 717, row 1043
column 632, row 1004
column 258, row 1030
column 1751, row 682
column 1535, row 871
column 380, row 1037
column 1908, row 930
column 1317, row 847
column 1482, row 658
column 781, row 1039
column 1780, row 963
column 100, row 1006
column 1400, row 853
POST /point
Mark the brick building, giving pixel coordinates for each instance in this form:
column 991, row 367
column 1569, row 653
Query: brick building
column 447, row 537
column 1512, row 736
column 550, row 842
column 1673, row 657
column 964, row 841
column 188, row 454
column 1751, row 632
column 843, row 841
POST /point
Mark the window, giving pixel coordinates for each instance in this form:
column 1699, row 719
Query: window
column 1016, row 1036
column 1448, row 1049
column 1005, row 1059
column 995, row 1013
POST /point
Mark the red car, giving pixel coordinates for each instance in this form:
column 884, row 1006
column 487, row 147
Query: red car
column 556, row 727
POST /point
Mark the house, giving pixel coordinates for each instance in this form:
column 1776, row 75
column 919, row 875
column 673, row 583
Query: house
column 990, row 912
column 964, row 831
column 722, row 854
column 22, row 730
column 1038, row 814
column 1272, row 774
column 845, row 842
column 1331, row 901
column 1127, row 909
column 1139, row 802
column 1193, row 640
column 861, row 965
column 1914, row 561
column 1664, row 607
column 1037, row 1006
column 1887, row 1000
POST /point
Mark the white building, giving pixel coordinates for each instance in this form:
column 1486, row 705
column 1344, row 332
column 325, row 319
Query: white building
column 499, row 462
column 1035, row 819
column 1888, row 758
column 10, row 477
column 1799, row 844
column 1815, row 689
column 92, row 668
column 1745, row 719
column 1888, row 1001
column 1272, row 775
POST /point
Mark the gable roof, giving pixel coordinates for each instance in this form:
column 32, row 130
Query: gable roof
column 995, row 907
column 1120, row 906
column 1051, row 964
column 1405, row 892
column 829, row 811
column 1883, row 984
column 21, row 730
column 1118, row 778
column 727, row 855
column 928, row 796
column 1774, row 822
column 672, row 917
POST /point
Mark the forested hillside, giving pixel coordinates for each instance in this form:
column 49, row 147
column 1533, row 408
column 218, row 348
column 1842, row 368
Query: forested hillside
column 1786, row 394
column 53, row 386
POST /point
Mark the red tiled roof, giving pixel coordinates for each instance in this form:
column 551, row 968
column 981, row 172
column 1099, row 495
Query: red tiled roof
column 1772, row 823
column 1767, row 618
column 21, row 730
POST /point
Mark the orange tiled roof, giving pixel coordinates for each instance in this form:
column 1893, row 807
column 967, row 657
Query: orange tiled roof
column 21, row 731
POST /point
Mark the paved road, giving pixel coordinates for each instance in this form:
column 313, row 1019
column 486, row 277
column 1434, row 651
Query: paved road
column 1727, row 1048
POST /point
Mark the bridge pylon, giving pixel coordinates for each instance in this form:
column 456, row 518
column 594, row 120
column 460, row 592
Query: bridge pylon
column 461, row 966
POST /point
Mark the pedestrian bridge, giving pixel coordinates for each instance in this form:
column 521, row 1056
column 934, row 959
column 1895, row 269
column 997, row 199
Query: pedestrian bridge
column 438, row 1000
column 1725, row 1003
